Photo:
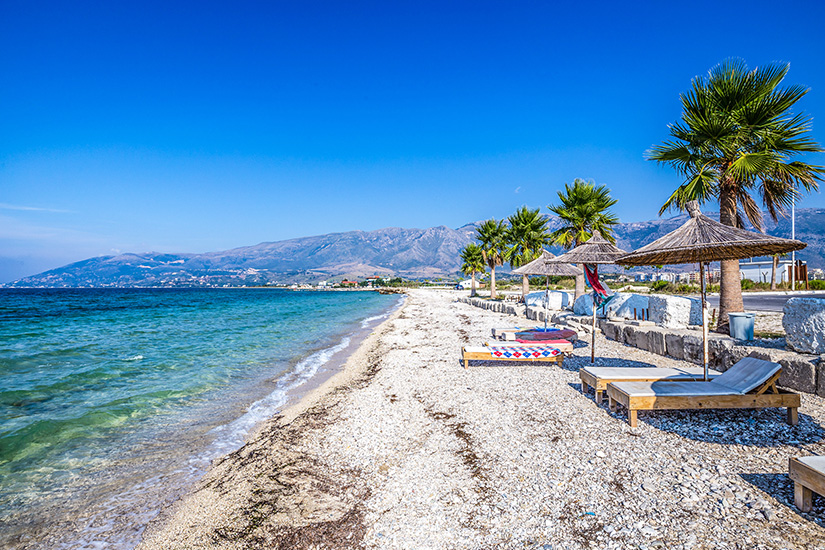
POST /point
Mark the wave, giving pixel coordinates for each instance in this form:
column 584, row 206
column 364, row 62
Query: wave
column 366, row 322
column 369, row 320
column 233, row 435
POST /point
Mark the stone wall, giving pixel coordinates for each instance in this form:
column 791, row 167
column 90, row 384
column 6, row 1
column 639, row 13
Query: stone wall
column 493, row 305
column 800, row 372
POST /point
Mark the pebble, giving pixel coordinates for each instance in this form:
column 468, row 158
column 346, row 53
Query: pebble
column 500, row 456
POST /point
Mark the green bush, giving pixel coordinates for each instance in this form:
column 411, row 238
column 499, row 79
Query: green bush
column 747, row 284
column 659, row 286
column 816, row 284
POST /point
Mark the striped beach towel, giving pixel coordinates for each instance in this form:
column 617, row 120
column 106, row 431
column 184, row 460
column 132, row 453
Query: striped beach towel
column 523, row 353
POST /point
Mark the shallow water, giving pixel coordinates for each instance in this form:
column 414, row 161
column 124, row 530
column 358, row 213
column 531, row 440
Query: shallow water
column 113, row 401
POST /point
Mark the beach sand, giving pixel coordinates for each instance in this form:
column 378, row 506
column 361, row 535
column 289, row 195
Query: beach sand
column 406, row 449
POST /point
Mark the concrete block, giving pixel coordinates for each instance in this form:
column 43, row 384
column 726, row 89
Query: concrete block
column 656, row 342
column 629, row 335
column 671, row 311
column 694, row 349
column 555, row 300
column 583, row 305
column 618, row 332
column 804, row 323
column 798, row 373
column 641, row 337
column 820, row 377
column 674, row 345
column 609, row 330
column 719, row 350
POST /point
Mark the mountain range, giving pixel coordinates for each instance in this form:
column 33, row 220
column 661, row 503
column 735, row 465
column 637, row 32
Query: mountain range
column 408, row 253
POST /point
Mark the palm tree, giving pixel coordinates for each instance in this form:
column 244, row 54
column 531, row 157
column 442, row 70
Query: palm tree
column 527, row 237
column 472, row 261
column 737, row 136
column 492, row 236
column 774, row 267
column 583, row 209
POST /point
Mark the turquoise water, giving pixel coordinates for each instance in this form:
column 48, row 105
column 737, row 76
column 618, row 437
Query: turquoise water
column 113, row 401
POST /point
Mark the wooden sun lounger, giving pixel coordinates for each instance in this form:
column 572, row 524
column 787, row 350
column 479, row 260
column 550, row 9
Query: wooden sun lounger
column 808, row 474
column 482, row 353
column 744, row 386
column 598, row 378
column 566, row 346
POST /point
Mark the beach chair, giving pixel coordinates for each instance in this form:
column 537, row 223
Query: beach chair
column 749, row 384
column 598, row 378
column 523, row 353
column 808, row 475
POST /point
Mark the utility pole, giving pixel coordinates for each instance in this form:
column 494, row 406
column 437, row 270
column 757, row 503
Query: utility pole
column 793, row 236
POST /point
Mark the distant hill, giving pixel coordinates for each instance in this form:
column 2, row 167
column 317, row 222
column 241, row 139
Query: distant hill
column 410, row 253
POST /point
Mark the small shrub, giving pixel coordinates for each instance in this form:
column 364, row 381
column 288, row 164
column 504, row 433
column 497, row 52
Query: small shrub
column 747, row 284
column 816, row 284
column 659, row 286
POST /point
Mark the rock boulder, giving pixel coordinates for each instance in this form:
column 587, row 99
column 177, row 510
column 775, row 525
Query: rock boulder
column 804, row 323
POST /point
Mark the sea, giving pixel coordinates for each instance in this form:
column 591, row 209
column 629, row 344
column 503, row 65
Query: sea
column 113, row 402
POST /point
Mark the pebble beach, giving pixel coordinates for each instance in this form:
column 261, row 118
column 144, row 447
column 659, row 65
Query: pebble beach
column 407, row 449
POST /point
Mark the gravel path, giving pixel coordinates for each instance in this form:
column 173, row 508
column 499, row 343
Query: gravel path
column 415, row 452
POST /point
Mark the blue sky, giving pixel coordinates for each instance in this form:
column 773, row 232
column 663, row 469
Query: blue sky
column 193, row 127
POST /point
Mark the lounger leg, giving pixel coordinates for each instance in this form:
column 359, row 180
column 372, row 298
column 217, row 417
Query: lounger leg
column 802, row 497
column 611, row 403
column 598, row 397
column 793, row 416
column 632, row 417
column 466, row 361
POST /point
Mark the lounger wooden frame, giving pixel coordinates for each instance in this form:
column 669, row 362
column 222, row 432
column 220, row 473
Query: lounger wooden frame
column 598, row 382
column 476, row 353
column 807, row 480
column 758, row 399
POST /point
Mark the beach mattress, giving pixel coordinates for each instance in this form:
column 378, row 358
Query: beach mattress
column 598, row 377
column 534, row 335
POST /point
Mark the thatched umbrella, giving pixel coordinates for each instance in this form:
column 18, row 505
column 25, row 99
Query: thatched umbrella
column 702, row 240
column 597, row 250
column 546, row 265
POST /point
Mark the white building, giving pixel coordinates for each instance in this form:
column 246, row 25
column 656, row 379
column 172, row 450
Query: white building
column 760, row 271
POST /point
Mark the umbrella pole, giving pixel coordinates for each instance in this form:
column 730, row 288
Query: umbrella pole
column 546, row 298
column 593, row 334
column 704, row 319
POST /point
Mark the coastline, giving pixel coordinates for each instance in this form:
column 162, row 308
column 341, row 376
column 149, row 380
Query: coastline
column 172, row 527
column 406, row 449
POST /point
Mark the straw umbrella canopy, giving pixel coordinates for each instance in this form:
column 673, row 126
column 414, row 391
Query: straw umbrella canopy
column 547, row 265
column 702, row 240
column 597, row 250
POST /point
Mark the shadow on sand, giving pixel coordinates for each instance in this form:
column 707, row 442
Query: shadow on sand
column 780, row 487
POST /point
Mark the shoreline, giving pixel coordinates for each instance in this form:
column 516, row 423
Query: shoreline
column 319, row 393
column 410, row 450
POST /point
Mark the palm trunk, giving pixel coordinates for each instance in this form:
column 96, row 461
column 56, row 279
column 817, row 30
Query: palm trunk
column 773, row 271
column 493, row 282
column 473, row 286
column 730, row 284
column 525, row 287
column 580, row 286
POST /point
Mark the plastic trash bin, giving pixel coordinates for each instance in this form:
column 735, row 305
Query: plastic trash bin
column 741, row 325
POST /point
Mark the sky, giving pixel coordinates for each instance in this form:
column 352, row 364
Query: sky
column 190, row 127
